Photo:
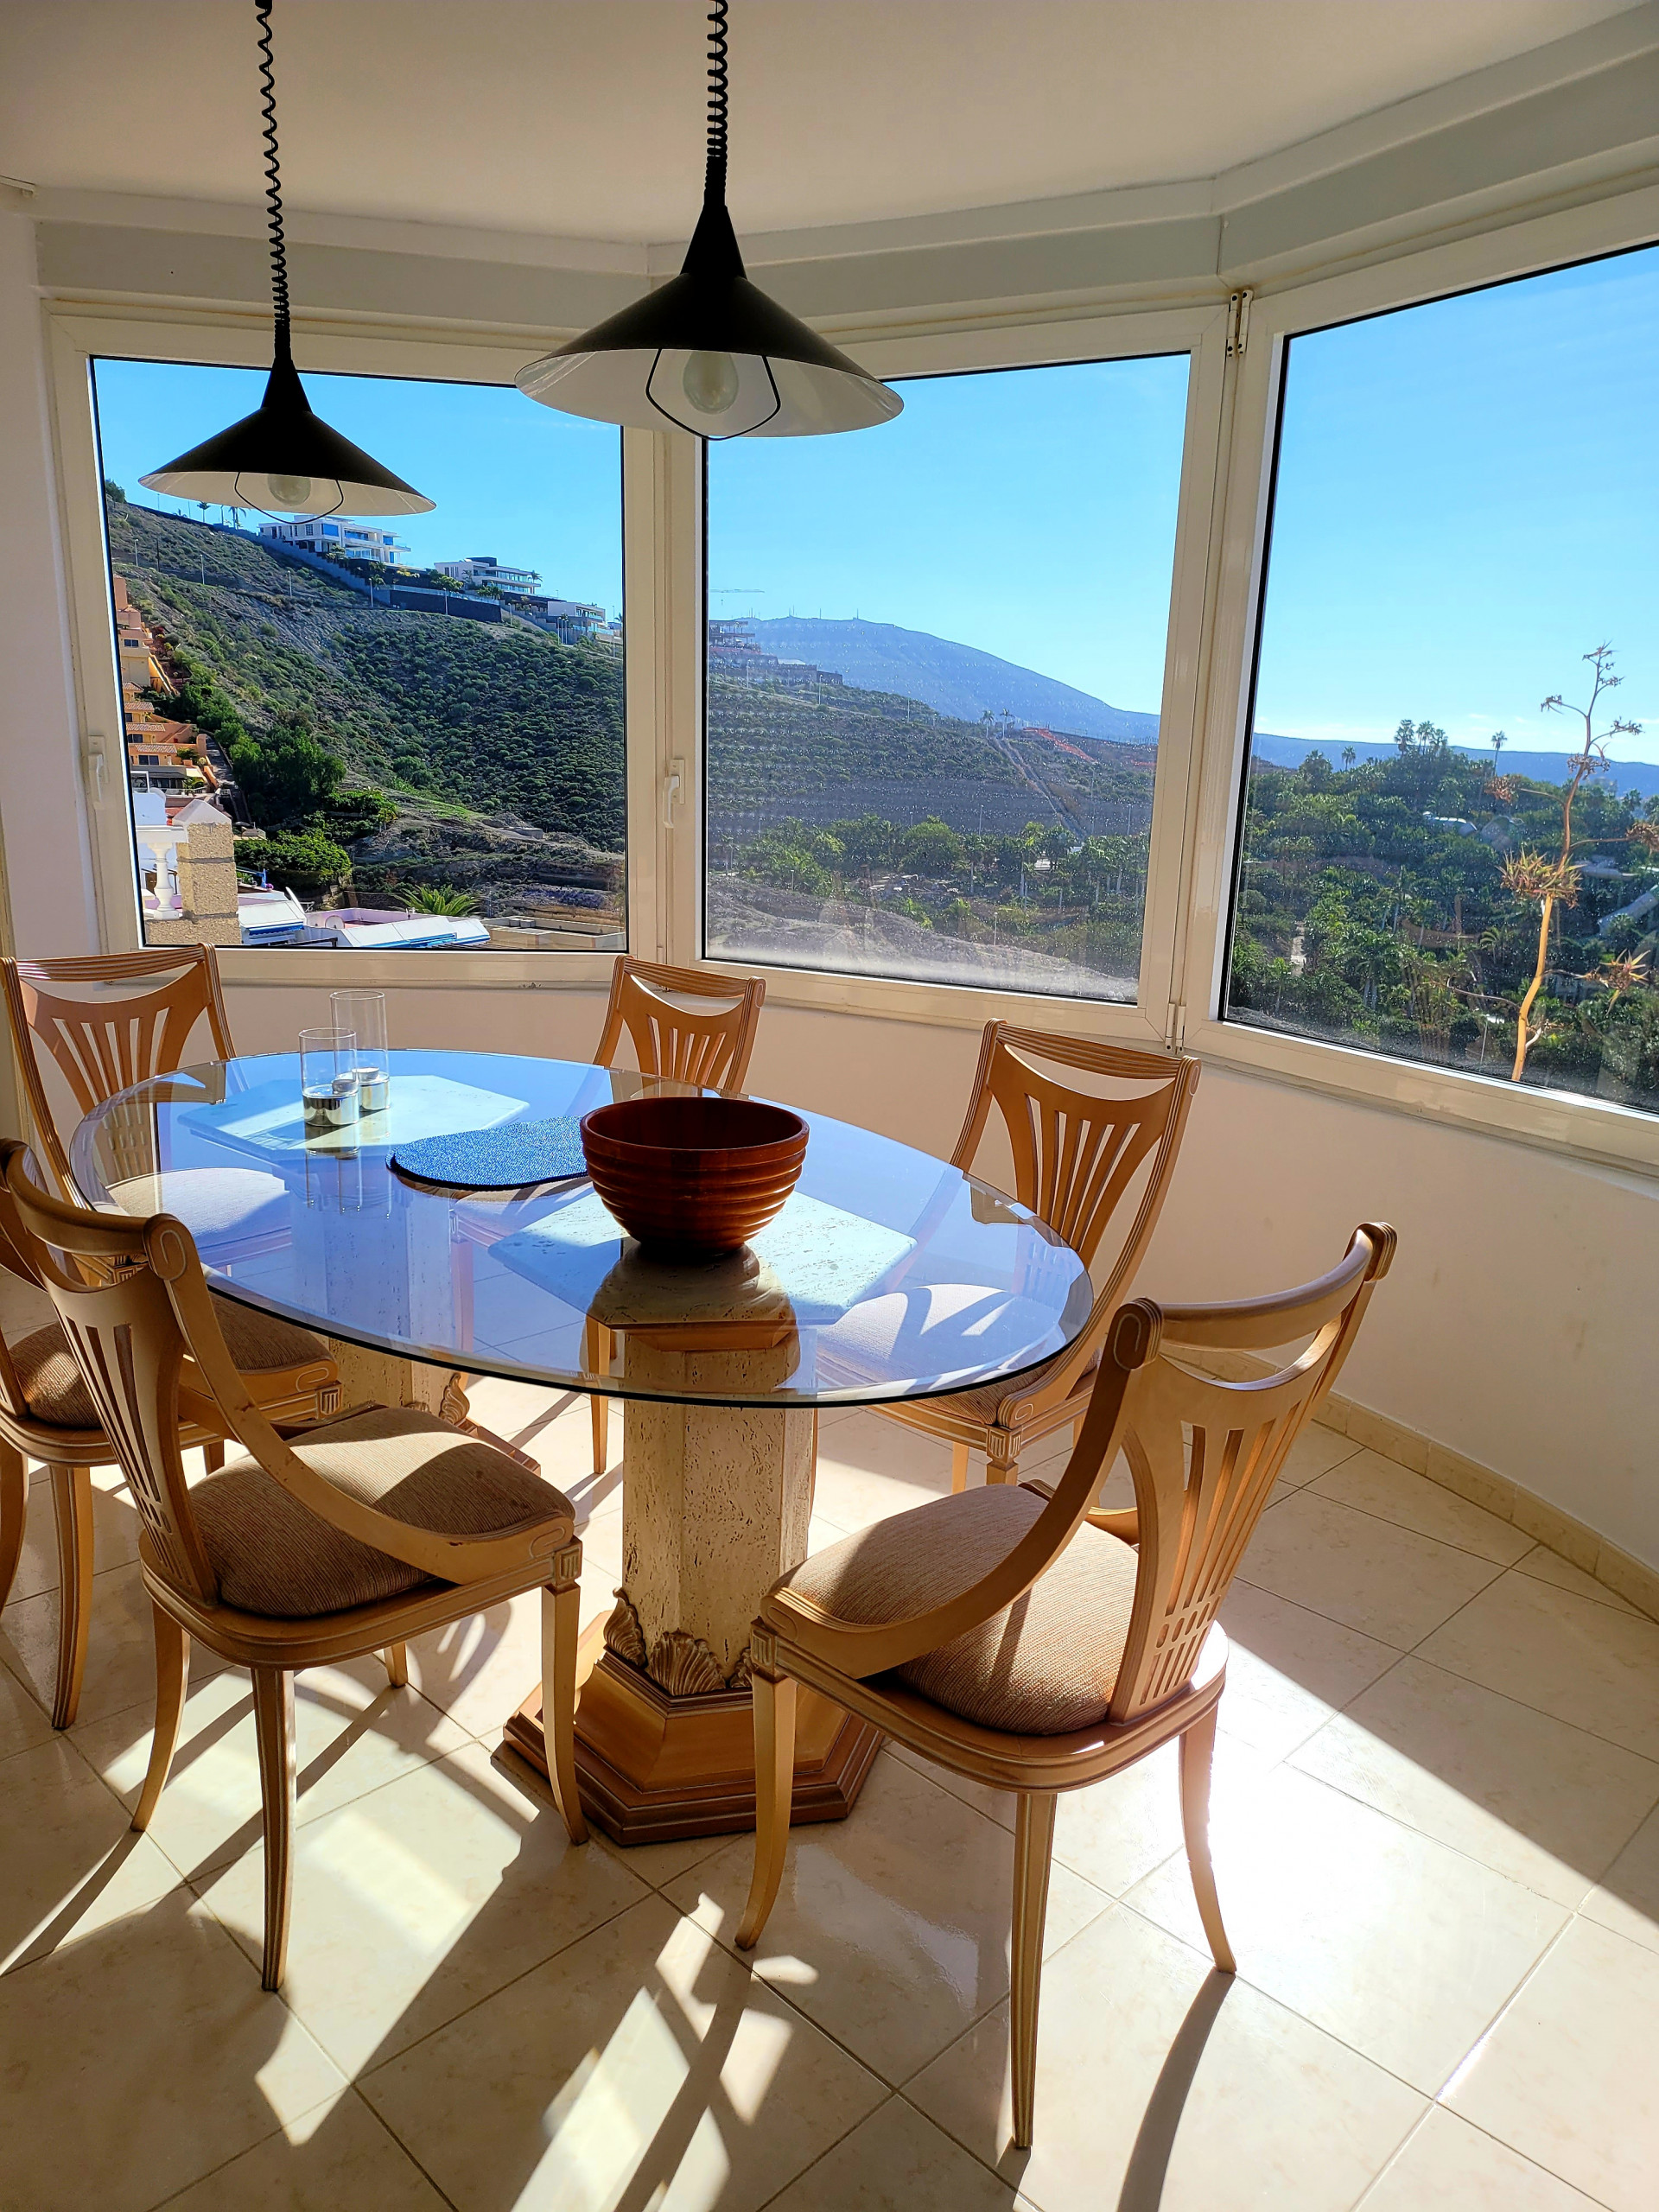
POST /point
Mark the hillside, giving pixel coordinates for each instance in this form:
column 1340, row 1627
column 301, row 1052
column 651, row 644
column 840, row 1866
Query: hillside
column 956, row 680
column 435, row 713
column 1640, row 776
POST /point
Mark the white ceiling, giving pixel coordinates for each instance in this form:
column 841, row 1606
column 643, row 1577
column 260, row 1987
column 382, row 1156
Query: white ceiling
column 583, row 118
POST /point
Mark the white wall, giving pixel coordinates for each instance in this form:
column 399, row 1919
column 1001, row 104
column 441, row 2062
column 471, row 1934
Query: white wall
column 1516, row 1326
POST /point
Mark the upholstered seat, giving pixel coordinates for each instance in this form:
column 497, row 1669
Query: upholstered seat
column 1044, row 1665
column 55, row 1393
column 272, row 1555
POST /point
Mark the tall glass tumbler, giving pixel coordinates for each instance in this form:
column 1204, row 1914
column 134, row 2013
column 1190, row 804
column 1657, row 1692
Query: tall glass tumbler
column 327, row 1081
column 364, row 1012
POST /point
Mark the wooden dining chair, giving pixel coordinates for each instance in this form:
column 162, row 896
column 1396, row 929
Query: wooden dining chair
column 124, row 1016
column 104, row 1021
column 48, row 1413
column 1022, row 1638
column 1077, row 1155
column 708, row 1043
column 314, row 1548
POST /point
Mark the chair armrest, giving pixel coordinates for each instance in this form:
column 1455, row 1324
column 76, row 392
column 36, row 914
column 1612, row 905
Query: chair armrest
column 450, row 1559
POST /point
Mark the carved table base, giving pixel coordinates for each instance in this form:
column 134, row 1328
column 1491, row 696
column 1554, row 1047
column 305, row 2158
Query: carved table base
column 653, row 1767
column 716, row 1501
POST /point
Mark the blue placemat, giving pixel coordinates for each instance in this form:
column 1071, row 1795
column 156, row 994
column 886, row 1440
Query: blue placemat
column 501, row 1159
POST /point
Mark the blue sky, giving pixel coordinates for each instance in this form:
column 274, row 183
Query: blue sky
column 1468, row 499
column 510, row 478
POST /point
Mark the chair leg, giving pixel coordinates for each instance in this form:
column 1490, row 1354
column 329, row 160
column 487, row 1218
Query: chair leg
column 774, row 1793
column 598, row 1350
column 273, row 1720
column 213, row 1455
column 14, row 1514
column 600, row 1409
column 172, row 1675
column 958, row 1467
column 1197, row 1748
column 1034, row 1844
column 71, row 1499
column 396, row 1658
column 1002, row 1471
column 561, row 1620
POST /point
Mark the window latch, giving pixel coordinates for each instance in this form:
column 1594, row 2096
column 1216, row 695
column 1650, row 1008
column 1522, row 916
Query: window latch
column 673, row 789
column 1238, row 322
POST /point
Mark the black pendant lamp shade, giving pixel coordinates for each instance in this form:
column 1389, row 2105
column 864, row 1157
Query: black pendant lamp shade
column 709, row 352
column 282, row 459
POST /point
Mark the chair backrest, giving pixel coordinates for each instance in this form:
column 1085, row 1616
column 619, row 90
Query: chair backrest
column 1203, row 1454
column 107, row 1021
column 708, row 1043
column 133, row 1305
column 16, row 1259
column 1075, row 1153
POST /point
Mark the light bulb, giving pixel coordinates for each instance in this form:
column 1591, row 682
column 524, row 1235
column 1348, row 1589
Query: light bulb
column 290, row 491
column 710, row 382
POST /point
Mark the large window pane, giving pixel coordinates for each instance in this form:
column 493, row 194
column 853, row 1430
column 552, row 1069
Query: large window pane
column 1433, row 864
column 368, row 734
column 914, row 768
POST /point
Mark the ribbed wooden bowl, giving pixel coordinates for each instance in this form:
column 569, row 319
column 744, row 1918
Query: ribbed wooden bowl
column 693, row 1175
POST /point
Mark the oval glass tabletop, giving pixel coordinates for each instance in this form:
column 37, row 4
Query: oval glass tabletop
column 888, row 1274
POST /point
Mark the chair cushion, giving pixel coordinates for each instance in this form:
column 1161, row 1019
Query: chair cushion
column 53, row 1392
column 1044, row 1665
column 273, row 1555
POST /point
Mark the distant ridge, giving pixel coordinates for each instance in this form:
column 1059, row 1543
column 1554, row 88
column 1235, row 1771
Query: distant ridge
column 1542, row 767
column 966, row 683
column 952, row 679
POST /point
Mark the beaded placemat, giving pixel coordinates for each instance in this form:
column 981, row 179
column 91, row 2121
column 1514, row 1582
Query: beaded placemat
column 502, row 1159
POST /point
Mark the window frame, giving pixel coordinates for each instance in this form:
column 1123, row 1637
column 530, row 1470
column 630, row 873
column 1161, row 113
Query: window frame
column 77, row 336
column 1585, row 1128
column 1054, row 340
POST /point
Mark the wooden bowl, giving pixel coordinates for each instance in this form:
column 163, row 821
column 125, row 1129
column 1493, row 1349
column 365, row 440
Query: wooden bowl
column 693, row 1175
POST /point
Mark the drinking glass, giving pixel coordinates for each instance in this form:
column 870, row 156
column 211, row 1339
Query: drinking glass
column 327, row 1080
column 363, row 1014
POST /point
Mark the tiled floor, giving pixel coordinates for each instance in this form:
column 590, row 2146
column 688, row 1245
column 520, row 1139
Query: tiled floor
column 1435, row 1837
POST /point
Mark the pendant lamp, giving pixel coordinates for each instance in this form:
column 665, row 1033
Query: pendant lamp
column 282, row 459
column 709, row 352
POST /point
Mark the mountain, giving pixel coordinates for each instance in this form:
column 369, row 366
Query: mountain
column 959, row 681
column 1542, row 767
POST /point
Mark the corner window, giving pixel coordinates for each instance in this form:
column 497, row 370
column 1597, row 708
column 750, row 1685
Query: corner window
column 351, row 762
column 1449, row 849
column 935, row 669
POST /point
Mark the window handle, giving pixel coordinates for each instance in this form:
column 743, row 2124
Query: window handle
column 673, row 789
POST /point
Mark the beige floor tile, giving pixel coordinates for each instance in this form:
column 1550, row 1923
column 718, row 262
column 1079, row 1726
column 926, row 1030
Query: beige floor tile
column 897, row 2161
column 1384, row 1487
column 1161, row 2084
column 1386, row 1581
column 1404, row 1947
column 115, row 1535
column 120, row 1646
column 890, row 1929
column 69, row 1861
column 1545, row 1566
column 1568, row 2076
column 413, row 1903
column 1115, row 1832
column 1539, row 1800
column 1581, row 1662
column 1448, row 2166
column 1627, row 1899
column 1288, row 1670
column 642, row 2067
column 869, row 1466
column 338, row 2158
column 996, row 1804
column 479, row 1670
column 658, row 1864
column 353, row 1732
column 24, row 1720
column 140, row 2058
column 1315, row 1450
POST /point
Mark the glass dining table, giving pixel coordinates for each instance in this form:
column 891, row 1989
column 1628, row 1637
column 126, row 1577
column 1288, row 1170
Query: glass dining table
column 889, row 1274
